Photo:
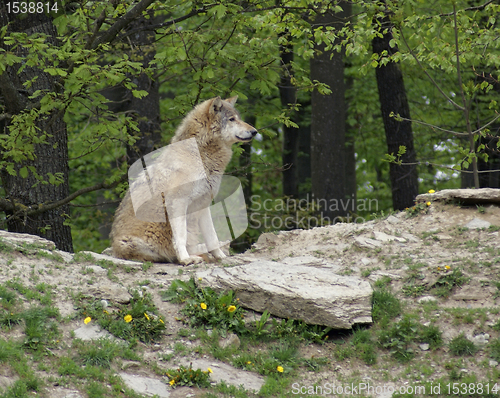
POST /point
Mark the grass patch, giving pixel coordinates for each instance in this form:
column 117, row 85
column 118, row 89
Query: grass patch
column 136, row 321
column 462, row 346
column 385, row 304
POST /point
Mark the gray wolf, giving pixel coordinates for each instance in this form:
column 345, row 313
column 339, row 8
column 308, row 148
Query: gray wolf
column 165, row 208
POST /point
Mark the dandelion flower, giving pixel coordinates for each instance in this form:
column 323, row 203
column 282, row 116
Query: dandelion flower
column 203, row 306
column 87, row 320
column 127, row 318
column 439, row 268
column 431, row 191
column 200, row 279
column 146, row 316
column 280, row 369
column 161, row 320
column 231, row 308
column 428, row 203
column 447, row 267
column 171, row 382
column 209, row 370
column 249, row 363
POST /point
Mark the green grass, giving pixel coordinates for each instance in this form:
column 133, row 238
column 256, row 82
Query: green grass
column 462, row 346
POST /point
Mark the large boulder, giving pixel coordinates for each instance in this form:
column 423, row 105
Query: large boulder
column 465, row 196
column 315, row 295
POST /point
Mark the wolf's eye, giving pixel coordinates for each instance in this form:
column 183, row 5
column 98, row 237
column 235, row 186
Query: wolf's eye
column 232, row 119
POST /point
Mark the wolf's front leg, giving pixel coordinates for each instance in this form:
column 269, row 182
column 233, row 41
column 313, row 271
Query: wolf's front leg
column 178, row 223
column 209, row 234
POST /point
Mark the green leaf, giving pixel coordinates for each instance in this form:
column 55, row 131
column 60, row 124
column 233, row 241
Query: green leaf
column 23, row 172
column 139, row 93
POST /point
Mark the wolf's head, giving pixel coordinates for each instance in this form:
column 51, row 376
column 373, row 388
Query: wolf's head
column 224, row 115
column 215, row 122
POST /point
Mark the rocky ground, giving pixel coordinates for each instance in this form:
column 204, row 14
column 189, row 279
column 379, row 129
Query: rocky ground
column 441, row 261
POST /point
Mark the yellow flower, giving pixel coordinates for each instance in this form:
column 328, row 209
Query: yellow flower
column 280, row 369
column 127, row 318
column 200, row 279
column 87, row 320
column 439, row 268
column 203, row 306
column 171, row 382
column 231, row 308
column 431, row 191
column 146, row 315
column 106, row 312
column 428, row 203
column 447, row 267
column 161, row 320
column 209, row 370
column 249, row 363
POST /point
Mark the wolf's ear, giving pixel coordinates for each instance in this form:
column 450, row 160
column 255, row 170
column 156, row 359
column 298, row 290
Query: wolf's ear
column 232, row 100
column 215, row 106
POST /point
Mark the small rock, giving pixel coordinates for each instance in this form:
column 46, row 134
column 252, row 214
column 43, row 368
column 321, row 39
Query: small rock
column 383, row 237
column 493, row 363
column 424, row 346
column 477, row 223
column 91, row 332
column 230, row 341
column 427, row 299
column 481, row 339
column 145, row 385
column 393, row 220
column 368, row 243
column 366, row 261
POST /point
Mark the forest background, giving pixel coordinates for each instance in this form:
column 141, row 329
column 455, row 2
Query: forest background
column 359, row 105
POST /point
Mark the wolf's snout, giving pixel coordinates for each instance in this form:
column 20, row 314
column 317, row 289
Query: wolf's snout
column 253, row 132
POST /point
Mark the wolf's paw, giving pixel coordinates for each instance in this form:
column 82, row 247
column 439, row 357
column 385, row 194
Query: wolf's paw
column 218, row 254
column 191, row 260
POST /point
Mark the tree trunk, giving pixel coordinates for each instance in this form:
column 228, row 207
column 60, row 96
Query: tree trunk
column 328, row 116
column 146, row 109
column 290, row 134
column 50, row 157
column 392, row 95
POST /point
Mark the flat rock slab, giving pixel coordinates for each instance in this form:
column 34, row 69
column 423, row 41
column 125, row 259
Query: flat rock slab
column 228, row 374
column 117, row 261
column 18, row 240
column 315, row 295
column 478, row 223
column 465, row 196
column 145, row 385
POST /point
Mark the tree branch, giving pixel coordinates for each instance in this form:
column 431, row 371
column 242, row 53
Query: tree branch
column 113, row 31
column 427, row 73
column 432, row 126
column 167, row 23
column 18, row 208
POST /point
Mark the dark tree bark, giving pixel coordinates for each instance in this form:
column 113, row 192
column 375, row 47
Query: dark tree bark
column 392, row 95
column 50, row 157
column 350, row 160
column 290, row 134
column 146, row 109
column 328, row 115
